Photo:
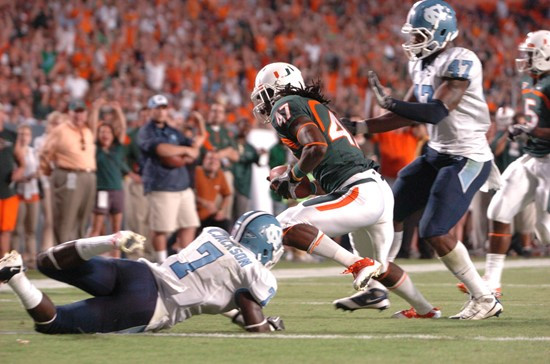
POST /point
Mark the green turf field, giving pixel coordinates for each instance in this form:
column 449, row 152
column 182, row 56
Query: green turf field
column 316, row 332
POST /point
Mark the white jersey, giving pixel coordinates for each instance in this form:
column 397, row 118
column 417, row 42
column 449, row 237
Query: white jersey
column 204, row 277
column 462, row 132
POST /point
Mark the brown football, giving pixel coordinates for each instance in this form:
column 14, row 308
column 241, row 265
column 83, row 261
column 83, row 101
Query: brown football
column 173, row 162
column 303, row 190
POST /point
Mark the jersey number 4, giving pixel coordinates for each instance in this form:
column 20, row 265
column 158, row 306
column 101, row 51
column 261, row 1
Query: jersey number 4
column 211, row 254
column 337, row 131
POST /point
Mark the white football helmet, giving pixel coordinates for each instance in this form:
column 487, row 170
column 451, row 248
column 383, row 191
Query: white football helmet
column 504, row 117
column 535, row 52
column 269, row 81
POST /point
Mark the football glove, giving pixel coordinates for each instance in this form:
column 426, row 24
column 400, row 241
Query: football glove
column 275, row 323
column 285, row 184
column 383, row 100
column 517, row 129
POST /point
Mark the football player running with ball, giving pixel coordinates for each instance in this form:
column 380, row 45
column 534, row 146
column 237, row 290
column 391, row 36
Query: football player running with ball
column 447, row 96
column 216, row 273
column 527, row 179
column 354, row 197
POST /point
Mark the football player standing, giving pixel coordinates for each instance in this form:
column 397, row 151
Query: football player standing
column 447, row 96
column 355, row 198
column 527, row 179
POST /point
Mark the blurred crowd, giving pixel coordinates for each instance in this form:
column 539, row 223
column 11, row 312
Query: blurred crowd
column 204, row 55
column 198, row 51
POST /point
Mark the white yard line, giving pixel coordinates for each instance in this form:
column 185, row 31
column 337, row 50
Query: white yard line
column 323, row 337
column 333, row 271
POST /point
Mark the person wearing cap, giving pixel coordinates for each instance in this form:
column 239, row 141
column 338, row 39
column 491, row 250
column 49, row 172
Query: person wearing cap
column 168, row 189
column 70, row 151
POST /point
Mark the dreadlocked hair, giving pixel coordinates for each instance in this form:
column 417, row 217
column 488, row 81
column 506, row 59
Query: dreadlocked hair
column 312, row 91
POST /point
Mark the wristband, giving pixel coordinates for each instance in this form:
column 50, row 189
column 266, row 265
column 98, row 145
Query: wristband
column 256, row 325
column 313, row 188
column 297, row 173
column 362, row 128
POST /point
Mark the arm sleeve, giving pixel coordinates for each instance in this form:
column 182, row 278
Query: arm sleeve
column 147, row 140
column 431, row 112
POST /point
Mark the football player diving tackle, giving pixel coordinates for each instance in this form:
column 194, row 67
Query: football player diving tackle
column 218, row 273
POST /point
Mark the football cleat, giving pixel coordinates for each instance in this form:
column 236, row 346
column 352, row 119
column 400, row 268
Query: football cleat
column 496, row 291
column 374, row 298
column 434, row 313
column 480, row 308
column 363, row 270
column 128, row 241
column 10, row 265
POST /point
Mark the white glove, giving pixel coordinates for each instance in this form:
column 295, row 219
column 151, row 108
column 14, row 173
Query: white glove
column 285, row 184
column 517, row 129
column 275, row 323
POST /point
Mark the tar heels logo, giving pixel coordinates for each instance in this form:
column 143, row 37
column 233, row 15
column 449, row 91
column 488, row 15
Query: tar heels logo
column 435, row 14
column 274, row 234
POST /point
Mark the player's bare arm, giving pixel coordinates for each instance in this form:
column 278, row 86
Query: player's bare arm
column 314, row 145
column 253, row 317
column 450, row 92
column 542, row 133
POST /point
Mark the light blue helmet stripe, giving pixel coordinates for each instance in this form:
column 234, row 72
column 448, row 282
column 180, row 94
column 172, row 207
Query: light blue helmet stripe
column 238, row 234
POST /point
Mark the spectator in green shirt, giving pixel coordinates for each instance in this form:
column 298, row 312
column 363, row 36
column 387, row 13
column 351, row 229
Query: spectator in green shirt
column 110, row 169
column 222, row 141
column 242, row 170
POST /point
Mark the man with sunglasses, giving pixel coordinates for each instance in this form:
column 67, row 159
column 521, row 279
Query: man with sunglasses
column 70, row 150
column 167, row 186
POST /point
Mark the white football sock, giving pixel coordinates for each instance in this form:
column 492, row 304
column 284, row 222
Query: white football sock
column 28, row 294
column 395, row 246
column 373, row 283
column 405, row 289
column 494, row 264
column 160, row 256
column 324, row 246
column 88, row 248
column 459, row 263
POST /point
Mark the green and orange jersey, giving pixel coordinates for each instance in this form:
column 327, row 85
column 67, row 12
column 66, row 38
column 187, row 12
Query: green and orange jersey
column 343, row 158
column 535, row 96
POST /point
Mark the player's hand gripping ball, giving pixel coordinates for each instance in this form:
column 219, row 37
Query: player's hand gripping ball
column 284, row 184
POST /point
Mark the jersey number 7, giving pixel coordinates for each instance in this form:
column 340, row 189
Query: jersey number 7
column 212, row 253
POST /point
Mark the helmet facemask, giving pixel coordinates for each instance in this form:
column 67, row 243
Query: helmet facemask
column 421, row 42
column 535, row 53
column 263, row 99
column 529, row 59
